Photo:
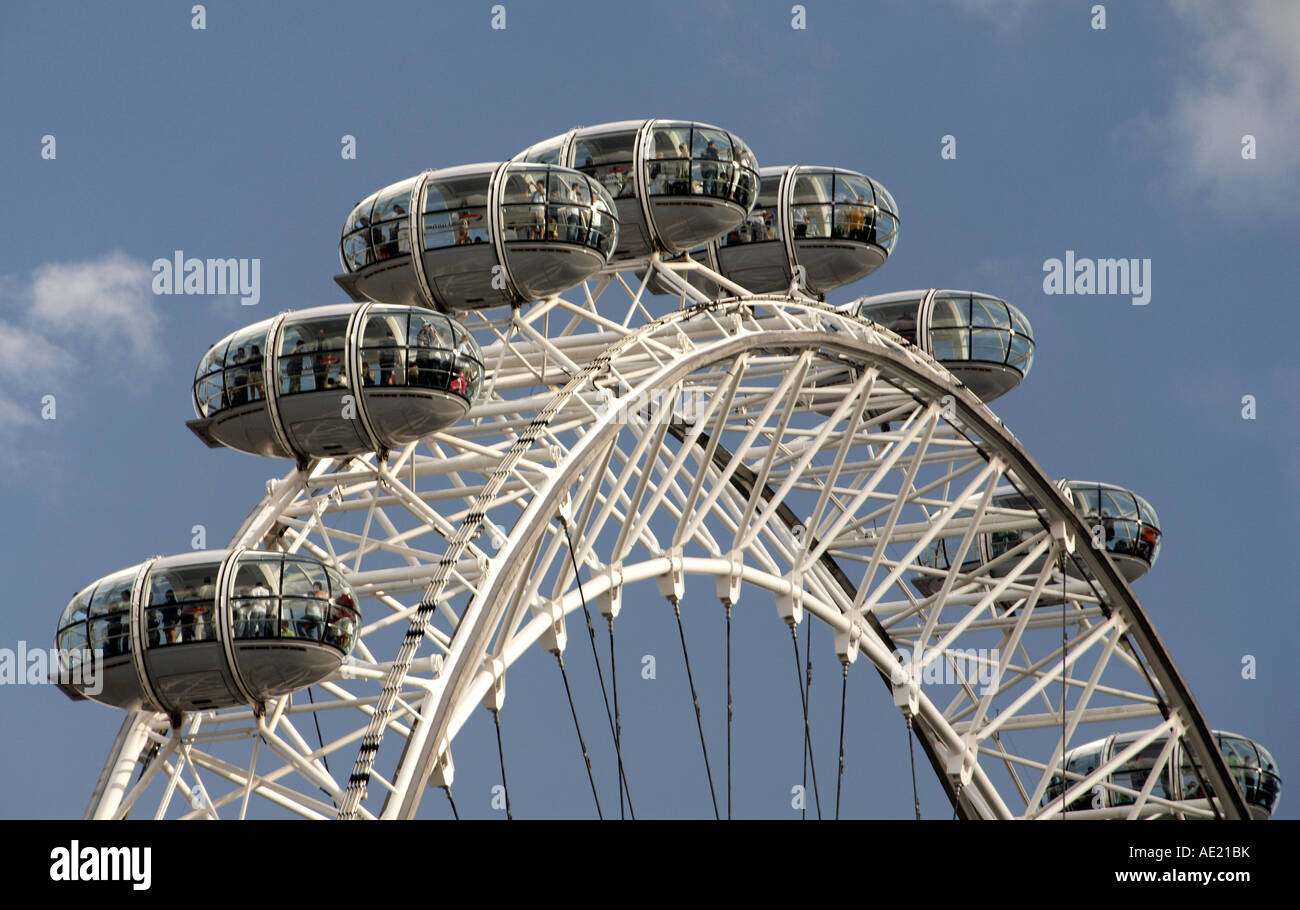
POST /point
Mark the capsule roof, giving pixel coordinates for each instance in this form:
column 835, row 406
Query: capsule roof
column 485, row 235
column 343, row 379
column 208, row 629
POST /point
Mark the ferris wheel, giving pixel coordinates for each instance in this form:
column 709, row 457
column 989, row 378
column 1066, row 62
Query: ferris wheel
column 603, row 375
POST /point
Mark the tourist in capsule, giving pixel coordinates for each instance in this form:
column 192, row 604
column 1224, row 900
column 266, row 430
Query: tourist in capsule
column 538, row 199
column 293, row 367
column 387, row 359
column 573, row 218
column 554, row 213
column 708, row 170
column 422, row 369
column 266, row 626
column 171, row 618
column 240, row 378
column 800, row 222
column 310, row 626
column 255, row 374
column 321, row 362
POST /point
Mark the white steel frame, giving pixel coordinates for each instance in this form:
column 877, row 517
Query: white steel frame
column 824, row 455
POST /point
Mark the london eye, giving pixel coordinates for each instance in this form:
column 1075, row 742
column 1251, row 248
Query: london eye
column 604, row 376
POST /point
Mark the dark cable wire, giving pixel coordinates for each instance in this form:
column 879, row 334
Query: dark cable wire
column 695, row 700
column 807, row 733
column 591, row 637
column 911, row 754
column 844, row 694
column 581, row 742
column 501, row 754
column 729, row 711
column 618, row 725
column 320, row 739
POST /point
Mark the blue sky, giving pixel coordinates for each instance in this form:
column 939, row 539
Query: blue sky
column 225, row 142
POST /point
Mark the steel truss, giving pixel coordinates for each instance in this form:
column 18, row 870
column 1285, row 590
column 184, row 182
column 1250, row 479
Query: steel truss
column 799, row 457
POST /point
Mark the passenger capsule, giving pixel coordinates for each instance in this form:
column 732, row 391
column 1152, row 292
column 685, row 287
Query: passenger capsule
column 486, row 235
column 982, row 340
column 827, row 225
column 1121, row 522
column 1250, row 763
column 675, row 183
column 209, row 630
column 343, row 380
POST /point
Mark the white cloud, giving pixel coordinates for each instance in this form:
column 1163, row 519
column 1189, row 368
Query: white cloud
column 1245, row 81
column 108, row 299
column 1004, row 13
column 67, row 315
column 24, row 353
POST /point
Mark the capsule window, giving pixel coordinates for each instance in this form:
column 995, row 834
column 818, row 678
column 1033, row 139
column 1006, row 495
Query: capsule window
column 885, row 199
column 1021, row 353
column 360, row 217
column 523, row 210
column 113, row 593
column 455, row 211
column 245, row 367
column 521, row 184
column 1020, row 324
column 764, row 222
column 1146, row 513
column 669, row 166
column 607, row 159
column 1081, row 762
column 603, row 226
column 344, row 616
column 312, row 354
column 989, row 345
column 306, row 598
column 1117, row 504
column 383, row 354
column 854, row 211
column 357, row 252
column 886, row 235
column 111, row 634
column 78, row 608
column 429, row 331
column 255, row 596
column 950, row 344
column 1133, row 774
column 179, row 605
column 811, row 213
column 394, row 203
column 986, row 311
column 897, row 317
column 545, row 152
